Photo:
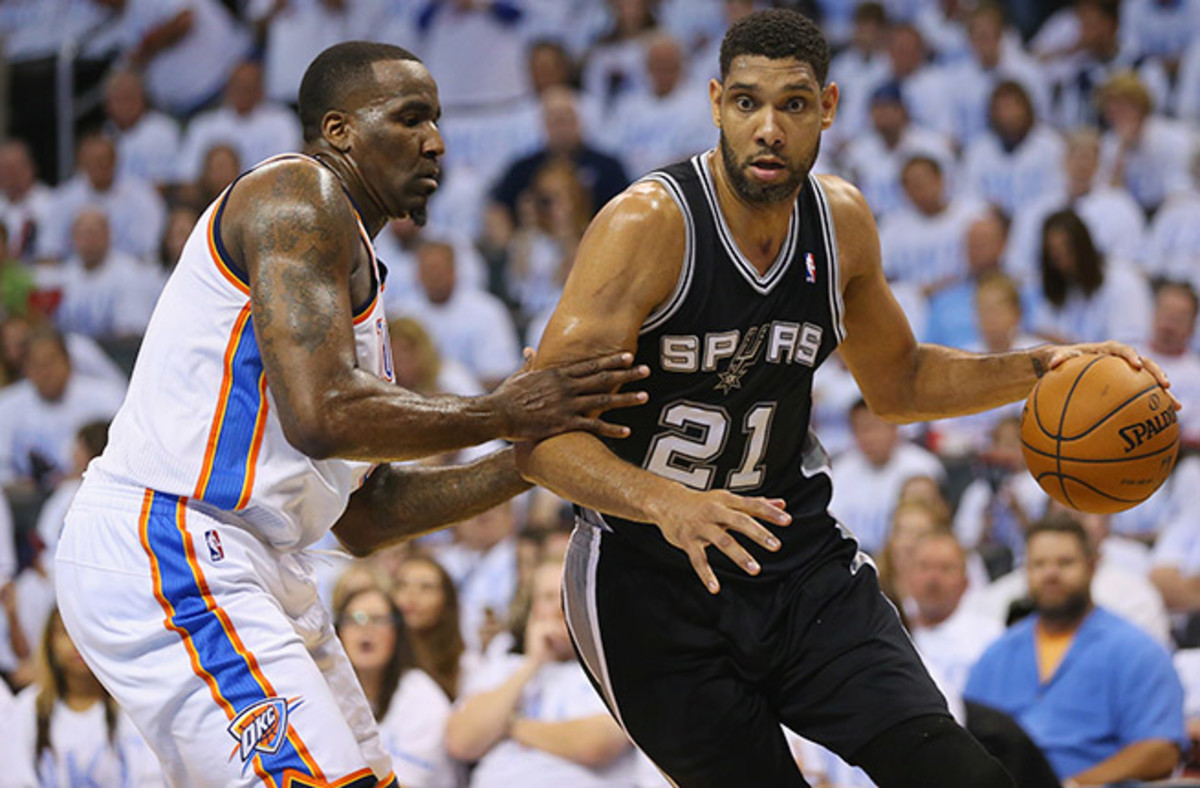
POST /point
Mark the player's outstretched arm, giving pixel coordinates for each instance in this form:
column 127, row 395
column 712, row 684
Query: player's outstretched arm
column 400, row 502
column 294, row 231
column 627, row 264
column 903, row 380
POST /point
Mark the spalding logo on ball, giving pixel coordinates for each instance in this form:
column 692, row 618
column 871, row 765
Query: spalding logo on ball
column 1098, row 435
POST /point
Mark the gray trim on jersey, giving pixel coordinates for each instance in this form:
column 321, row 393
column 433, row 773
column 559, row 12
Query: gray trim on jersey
column 783, row 261
column 579, row 604
column 836, row 307
column 814, row 460
column 669, row 307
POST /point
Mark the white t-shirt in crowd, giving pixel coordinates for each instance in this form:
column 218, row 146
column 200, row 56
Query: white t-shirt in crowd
column 136, row 215
column 414, row 730
column 865, row 495
column 114, row 299
column 924, row 249
column 1010, row 179
column 149, row 149
column 559, row 692
column 266, row 130
column 474, row 328
column 954, row 646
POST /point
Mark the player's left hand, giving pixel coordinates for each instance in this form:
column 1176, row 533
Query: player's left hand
column 1059, row 354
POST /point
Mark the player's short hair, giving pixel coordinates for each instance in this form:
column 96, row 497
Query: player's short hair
column 335, row 72
column 777, row 33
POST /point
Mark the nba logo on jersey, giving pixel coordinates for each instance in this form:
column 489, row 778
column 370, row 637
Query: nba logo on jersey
column 810, row 268
column 213, row 540
column 260, row 727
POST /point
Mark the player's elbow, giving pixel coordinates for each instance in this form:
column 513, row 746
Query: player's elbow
column 310, row 437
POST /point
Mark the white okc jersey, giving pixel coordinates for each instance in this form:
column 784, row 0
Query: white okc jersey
column 199, row 421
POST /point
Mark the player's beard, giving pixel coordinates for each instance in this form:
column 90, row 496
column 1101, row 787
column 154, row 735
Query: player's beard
column 754, row 192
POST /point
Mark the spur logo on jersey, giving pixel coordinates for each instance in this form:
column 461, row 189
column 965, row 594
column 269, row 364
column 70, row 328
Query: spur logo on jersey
column 810, row 268
column 778, row 342
column 261, row 727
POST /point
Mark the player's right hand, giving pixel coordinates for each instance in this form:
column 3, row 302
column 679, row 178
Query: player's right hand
column 704, row 519
column 540, row 403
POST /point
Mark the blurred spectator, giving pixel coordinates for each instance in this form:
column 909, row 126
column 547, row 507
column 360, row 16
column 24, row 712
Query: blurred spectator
column 186, row 48
column 16, row 281
column 943, row 24
column 1018, row 158
column 1160, row 29
column 602, row 174
column 922, row 85
column 1120, row 584
column 1084, row 296
column 40, row 415
column 89, row 443
column 532, row 718
column 419, row 368
column 1173, row 245
column 1175, row 562
column 998, row 313
column 552, row 217
column 67, row 730
column 180, row 221
column 834, row 391
column 428, row 600
column 397, row 246
column 671, row 120
column 475, row 48
column 106, row 293
column 483, row 562
column 1174, row 326
column 858, row 70
column 875, row 159
column 221, row 167
column 1115, row 220
column 470, row 326
column 614, row 65
column 1147, row 153
column 26, row 204
column 410, row 707
column 87, row 357
column 1089, row 52
column 953, row 318
column 1187, row 90
column 993, row 59
column 293, row 32
column 136, row 213
column 257, row 129
column 867, row 478
column 950, row 636
column 923, row 242
column 910, row 522
column 999, row 506
column 1098, row 696
column 147, row 140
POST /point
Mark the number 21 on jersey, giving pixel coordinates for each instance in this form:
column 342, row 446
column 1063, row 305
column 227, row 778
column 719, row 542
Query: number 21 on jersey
column 695, row 438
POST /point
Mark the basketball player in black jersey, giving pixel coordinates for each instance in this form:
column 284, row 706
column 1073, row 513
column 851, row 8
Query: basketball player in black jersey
column 733, row 276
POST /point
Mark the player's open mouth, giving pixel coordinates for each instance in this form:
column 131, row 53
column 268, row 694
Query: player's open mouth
column 768, row 169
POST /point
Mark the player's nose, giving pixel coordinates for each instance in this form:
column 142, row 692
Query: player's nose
column 769, row 132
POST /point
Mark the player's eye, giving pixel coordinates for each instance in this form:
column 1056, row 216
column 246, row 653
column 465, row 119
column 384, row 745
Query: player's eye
column 796, row 105
column 744, row 103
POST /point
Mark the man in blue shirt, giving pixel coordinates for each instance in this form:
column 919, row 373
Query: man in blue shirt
column 1098, row 695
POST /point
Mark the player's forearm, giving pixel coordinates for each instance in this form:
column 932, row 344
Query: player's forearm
column 1151, row 759
column 944, row 382
column 581, row 468
column 400, row 502
column 591, row 741
column 483, row 720
column 369, row 419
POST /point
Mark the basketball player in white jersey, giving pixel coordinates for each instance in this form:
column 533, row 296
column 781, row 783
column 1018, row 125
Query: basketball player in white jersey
column 260, row 406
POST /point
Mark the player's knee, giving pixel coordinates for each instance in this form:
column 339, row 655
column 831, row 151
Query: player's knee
column 931, row 751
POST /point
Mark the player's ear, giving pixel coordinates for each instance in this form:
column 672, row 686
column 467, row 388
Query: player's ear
column 829, row 104
column 715, row 90
column 336, row 129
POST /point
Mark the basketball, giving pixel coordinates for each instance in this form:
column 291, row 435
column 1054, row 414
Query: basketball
column 1099, row 436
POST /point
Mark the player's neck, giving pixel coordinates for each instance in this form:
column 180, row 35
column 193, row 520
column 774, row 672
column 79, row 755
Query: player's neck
column 759, row 228
column 366, row 201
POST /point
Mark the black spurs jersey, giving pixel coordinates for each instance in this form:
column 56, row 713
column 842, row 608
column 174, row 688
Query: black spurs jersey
column 732, row 355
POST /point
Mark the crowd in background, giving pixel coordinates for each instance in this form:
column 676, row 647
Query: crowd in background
column 1034, row 169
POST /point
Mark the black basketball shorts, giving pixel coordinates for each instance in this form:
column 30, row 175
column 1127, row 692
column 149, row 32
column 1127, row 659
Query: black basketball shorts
column 702, row 683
